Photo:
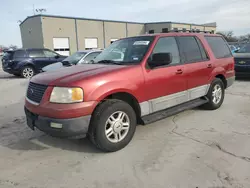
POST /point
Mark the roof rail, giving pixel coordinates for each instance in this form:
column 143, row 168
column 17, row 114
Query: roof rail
column 189, row 31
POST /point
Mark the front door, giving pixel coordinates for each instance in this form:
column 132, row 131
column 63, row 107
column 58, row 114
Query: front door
column 166, row 86
column 38, row 58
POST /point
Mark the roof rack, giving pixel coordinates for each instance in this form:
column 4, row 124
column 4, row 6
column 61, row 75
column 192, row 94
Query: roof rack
column 190, row 31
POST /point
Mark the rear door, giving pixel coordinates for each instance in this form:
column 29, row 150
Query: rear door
column 197, row 65
column 166, row 86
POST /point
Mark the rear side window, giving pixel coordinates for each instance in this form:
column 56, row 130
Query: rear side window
column 219, row 47
column 36, row 53
column 19, row 54
column 190, row 49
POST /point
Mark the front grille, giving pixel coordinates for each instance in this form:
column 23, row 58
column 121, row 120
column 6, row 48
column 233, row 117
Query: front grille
column 35, row 92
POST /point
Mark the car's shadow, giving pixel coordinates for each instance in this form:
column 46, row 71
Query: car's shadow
column 9, row 76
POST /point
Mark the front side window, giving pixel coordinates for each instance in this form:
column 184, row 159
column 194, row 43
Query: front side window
column 126, row 51
column 219, row 47
column 90, row 57
column 36, row 53
column 49, row 53
column 190, row 49
column 75, row 58
column 168, row 45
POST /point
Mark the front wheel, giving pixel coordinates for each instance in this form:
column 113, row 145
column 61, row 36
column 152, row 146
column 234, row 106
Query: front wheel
column 113, row 125
column 215, row 95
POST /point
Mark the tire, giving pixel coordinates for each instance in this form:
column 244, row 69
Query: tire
column 105, row 125
column 213, row 103
column 27, row 72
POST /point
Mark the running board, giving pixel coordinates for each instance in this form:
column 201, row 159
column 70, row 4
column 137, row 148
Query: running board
column 173, row 110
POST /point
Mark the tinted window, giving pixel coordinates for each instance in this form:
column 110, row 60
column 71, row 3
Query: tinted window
column 244, row 49
column 91, row 57
column 19, row 54
column 190, row 49
column 49, row 53
column 36, row 53
column 202, row 49
column 219, row 47
column 151, row 31
column 168, row 45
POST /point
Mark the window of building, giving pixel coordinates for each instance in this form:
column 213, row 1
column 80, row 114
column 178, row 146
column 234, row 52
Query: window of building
column 164, row 30
column 219, row 47
column 175, row 29
column 168, row 45
column 91, row 43
column 190, row 49
column 151, row 31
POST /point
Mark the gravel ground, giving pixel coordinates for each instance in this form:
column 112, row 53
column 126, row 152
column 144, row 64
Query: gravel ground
column 196, row 149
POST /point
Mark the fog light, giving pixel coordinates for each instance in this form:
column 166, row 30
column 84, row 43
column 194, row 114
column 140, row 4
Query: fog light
column 56, row 125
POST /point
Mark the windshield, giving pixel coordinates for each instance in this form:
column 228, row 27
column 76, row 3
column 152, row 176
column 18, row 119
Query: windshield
column 75, row 58
column 126, row 51
column 244, row 49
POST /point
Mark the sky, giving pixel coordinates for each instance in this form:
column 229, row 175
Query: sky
column 230, row 15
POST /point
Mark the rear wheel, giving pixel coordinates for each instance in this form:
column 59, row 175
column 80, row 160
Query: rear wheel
column 215, row 95
column 113, row 125
column 28, row 72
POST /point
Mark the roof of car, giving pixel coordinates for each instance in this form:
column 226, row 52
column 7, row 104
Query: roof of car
column 87, row 51
column 180, row 34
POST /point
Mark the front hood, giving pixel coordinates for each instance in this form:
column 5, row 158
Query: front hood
column 241, row 55
column 69, row 75
column 52, row 67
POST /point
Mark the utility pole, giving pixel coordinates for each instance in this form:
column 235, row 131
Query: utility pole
column 34, row 9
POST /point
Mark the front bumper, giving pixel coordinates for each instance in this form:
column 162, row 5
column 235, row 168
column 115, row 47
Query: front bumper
column 73, row 127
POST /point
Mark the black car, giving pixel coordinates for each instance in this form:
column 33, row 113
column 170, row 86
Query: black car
column 28, row 62
column 242, row 61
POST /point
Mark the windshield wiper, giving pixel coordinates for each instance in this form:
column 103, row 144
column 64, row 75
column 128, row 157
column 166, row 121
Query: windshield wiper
column 108, row 62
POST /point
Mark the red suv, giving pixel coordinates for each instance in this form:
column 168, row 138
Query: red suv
column 136, row 80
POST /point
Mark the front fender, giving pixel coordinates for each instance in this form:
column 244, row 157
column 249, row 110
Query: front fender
column 109, row 88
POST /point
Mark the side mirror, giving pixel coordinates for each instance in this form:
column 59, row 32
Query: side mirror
column 57, row 56
column 160, row 59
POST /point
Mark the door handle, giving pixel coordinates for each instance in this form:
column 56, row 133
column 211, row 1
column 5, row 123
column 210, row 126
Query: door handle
column 209, row 66
column 179, row 71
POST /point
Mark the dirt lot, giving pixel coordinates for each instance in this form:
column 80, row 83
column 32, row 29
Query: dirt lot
column 195, row 148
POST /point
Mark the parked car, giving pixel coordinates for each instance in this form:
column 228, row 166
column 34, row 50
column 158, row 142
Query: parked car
column 135, row 80
column 28, row 62
column 78, row 58
column 233, row 48
column 242, row 61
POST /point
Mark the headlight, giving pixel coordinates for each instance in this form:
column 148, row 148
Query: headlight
column 66, row 95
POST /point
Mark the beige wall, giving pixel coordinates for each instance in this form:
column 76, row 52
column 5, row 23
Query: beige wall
column 201, row 28
column 135, row 29
column 59, row 27
column 180, row 26
column 157, row 27
column 31, row 33
column 89, row 29
column 210, row 29
column 114, row 30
